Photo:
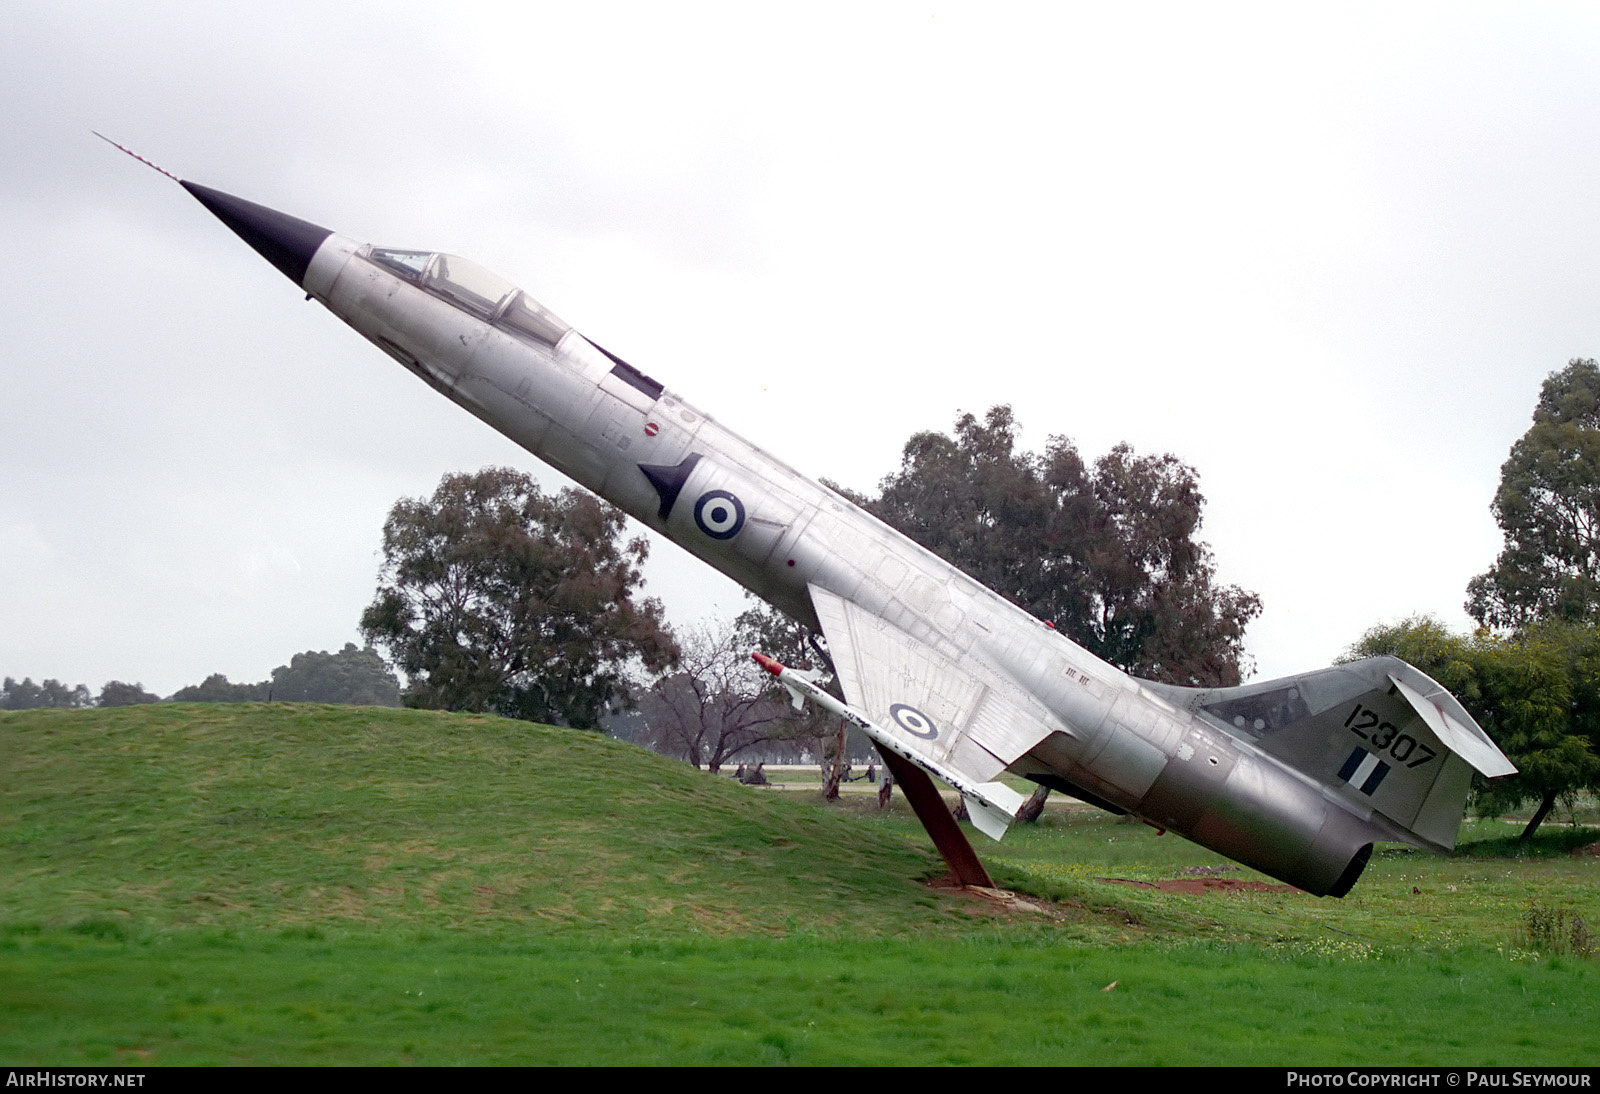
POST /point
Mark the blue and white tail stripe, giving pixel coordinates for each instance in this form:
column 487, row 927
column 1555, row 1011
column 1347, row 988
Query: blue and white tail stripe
column 1364, row 771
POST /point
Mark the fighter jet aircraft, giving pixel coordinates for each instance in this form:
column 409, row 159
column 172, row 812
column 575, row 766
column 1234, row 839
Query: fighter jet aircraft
column 1296, row 777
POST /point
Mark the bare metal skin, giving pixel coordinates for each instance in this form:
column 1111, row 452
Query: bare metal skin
column 1295, row 777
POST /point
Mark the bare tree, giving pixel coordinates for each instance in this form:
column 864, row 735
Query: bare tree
column 718, row 704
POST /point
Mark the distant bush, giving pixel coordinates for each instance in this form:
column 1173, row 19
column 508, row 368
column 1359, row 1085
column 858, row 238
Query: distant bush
column 216, row 689
column 118, row 694
column 357, row 676
column 52, row 693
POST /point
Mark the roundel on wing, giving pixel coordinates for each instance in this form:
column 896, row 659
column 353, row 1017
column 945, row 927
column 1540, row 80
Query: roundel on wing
column 719, row 514
column 913, row 721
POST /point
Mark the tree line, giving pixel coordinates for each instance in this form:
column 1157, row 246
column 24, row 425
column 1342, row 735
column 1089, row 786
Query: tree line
column 352, row 675
column 496, row 597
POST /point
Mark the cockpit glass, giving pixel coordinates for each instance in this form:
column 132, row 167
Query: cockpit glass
column 408, row 264
column 467, row 284
column 524, row 315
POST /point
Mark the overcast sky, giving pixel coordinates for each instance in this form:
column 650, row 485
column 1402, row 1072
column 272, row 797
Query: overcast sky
column 1324, row 254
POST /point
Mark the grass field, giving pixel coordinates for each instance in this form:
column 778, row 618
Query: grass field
column 303, row 884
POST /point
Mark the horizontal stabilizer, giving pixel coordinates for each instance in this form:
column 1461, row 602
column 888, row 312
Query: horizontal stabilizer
column 1472, row 747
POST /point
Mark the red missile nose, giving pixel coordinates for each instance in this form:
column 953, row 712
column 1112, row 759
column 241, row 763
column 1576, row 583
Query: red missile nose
column 767, row 663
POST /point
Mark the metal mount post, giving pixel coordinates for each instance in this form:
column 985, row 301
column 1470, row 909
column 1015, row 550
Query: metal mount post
column 929, row 806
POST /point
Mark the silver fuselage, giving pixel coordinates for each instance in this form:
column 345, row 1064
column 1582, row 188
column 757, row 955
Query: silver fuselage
column 776, row 532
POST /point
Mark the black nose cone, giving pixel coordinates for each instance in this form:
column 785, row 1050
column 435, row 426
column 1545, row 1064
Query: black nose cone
column 285, row 241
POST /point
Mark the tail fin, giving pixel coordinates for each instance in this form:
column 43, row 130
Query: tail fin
column 1378, row 733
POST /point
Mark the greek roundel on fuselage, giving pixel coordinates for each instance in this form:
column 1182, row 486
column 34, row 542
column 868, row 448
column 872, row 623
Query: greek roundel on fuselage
column 719, row 514
column 913, row 721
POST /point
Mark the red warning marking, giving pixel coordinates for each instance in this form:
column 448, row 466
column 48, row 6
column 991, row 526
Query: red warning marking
column 651, row 429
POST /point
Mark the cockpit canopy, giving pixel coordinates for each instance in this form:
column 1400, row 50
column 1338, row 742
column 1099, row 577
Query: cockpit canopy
column 474, row 289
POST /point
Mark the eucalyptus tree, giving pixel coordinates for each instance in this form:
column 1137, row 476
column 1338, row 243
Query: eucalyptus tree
column 1108, row 552
column 495, row 597
column 1548, row 509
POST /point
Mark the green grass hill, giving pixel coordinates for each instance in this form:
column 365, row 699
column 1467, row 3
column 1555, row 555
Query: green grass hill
column 276, row 815
column 299, row 884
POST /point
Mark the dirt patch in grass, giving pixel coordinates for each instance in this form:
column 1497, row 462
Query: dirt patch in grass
column 999, row 902
column 1589, row 850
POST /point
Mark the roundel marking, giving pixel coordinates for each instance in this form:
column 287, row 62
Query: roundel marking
column 913, row 721
column 719, row 514
column 651, row 429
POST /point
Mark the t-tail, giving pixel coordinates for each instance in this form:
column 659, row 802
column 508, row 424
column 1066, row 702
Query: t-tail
column 1378, row 736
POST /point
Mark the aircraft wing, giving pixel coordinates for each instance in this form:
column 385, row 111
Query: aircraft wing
column 965, row 713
